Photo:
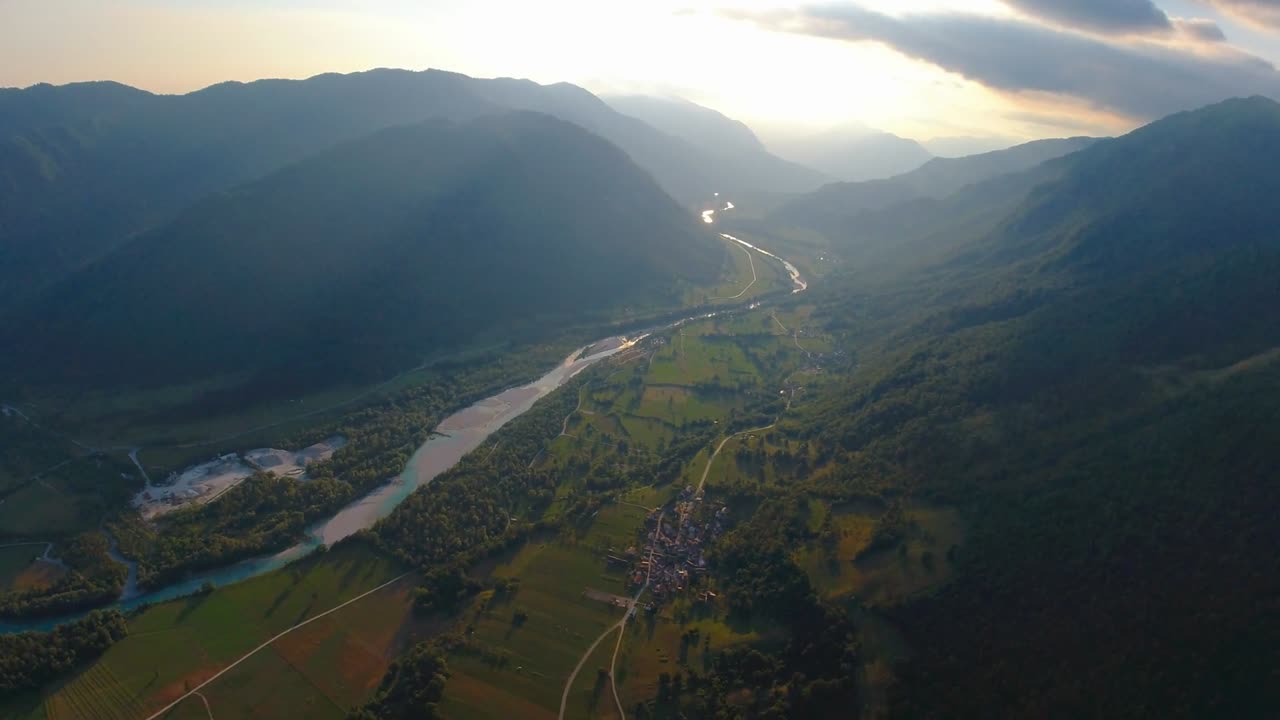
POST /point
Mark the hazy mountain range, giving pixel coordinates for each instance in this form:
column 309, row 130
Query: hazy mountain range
column 837, row 207
column 854, row 153
column 372, row 255
column 87, row 166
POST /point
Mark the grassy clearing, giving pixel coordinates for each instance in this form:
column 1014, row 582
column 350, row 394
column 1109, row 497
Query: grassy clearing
column 678, row 405
column 27, row 451
column 14, row 561
column 690, row 360
column 20, row 570
column 60, row 503
column 885, row 577
column 678, row 639
column 178, row 644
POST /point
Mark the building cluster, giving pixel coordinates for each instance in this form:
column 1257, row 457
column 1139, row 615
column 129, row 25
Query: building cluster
column 675, row 545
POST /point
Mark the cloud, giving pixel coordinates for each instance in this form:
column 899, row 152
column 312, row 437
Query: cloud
column 1200, row 29
column 1139, row 80
column 1260, row 13
column 1103, row 16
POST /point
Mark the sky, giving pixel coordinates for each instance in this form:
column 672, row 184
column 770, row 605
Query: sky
column 1020, row 69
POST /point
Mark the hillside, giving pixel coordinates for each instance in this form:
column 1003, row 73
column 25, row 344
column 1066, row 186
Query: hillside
column 1093, row 381
column 735, row 149
column 838, row 207
column 362, row 260
column 89, row 165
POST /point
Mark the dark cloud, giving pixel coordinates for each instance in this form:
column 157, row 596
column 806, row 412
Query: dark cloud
column 1140, row 80
column 1262, row 13
column 1104, row 16
column 1201, row 29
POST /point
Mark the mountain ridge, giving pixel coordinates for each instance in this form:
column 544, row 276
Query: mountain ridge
column 353, row 249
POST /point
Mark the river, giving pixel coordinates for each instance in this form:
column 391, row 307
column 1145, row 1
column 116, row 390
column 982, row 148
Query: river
column 457, row 435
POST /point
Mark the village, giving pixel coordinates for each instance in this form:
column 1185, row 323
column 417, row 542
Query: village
column 674, row 561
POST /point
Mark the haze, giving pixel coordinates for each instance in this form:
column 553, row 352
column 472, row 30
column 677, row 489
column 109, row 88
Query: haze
column 918, row 68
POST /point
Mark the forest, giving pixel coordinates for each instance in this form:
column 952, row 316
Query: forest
column 30, row 659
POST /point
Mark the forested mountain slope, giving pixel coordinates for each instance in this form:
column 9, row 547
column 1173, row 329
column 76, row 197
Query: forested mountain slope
column 1094, row 379
column 85, row 166
column 840, row 208
column 732, row 147
column 411, row 243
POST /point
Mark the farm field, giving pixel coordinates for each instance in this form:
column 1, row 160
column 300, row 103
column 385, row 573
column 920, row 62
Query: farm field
column 177, row 645
column 737, row 285
column 522, row 646
column 514, row 667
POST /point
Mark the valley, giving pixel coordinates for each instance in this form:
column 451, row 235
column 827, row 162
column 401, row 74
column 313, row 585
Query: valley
column 468, row 431
column 480, row 399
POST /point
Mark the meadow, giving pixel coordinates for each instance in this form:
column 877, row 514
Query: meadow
column 332, row 663
column 522, row 645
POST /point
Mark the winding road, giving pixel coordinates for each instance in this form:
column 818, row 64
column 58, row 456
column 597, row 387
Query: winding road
column 707, row 470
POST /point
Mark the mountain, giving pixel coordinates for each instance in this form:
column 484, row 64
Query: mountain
column 731, row 143
column 362, row 260
column 853, row 154
column 961, row 146
column 83, row 167
column 1091, row 375
column 840, row 206
column 689, row 121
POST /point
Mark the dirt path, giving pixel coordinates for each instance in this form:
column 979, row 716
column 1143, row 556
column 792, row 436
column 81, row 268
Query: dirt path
column 564, row 427
column 207, row 709
column 711, row 460
column 617, row 627
column 133, row 455
column 251, row 653
column 751, row 260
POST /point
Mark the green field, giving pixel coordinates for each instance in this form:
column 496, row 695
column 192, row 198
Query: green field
column 736, row 284
column 518, row 669
column 655, row 644
column 176, row 645
column 921, row 563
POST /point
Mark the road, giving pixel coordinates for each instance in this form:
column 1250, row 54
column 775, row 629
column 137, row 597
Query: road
column 564, row 427
column 207, row 709
column 196, row 690
column 616, row 627
column 707, row 470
